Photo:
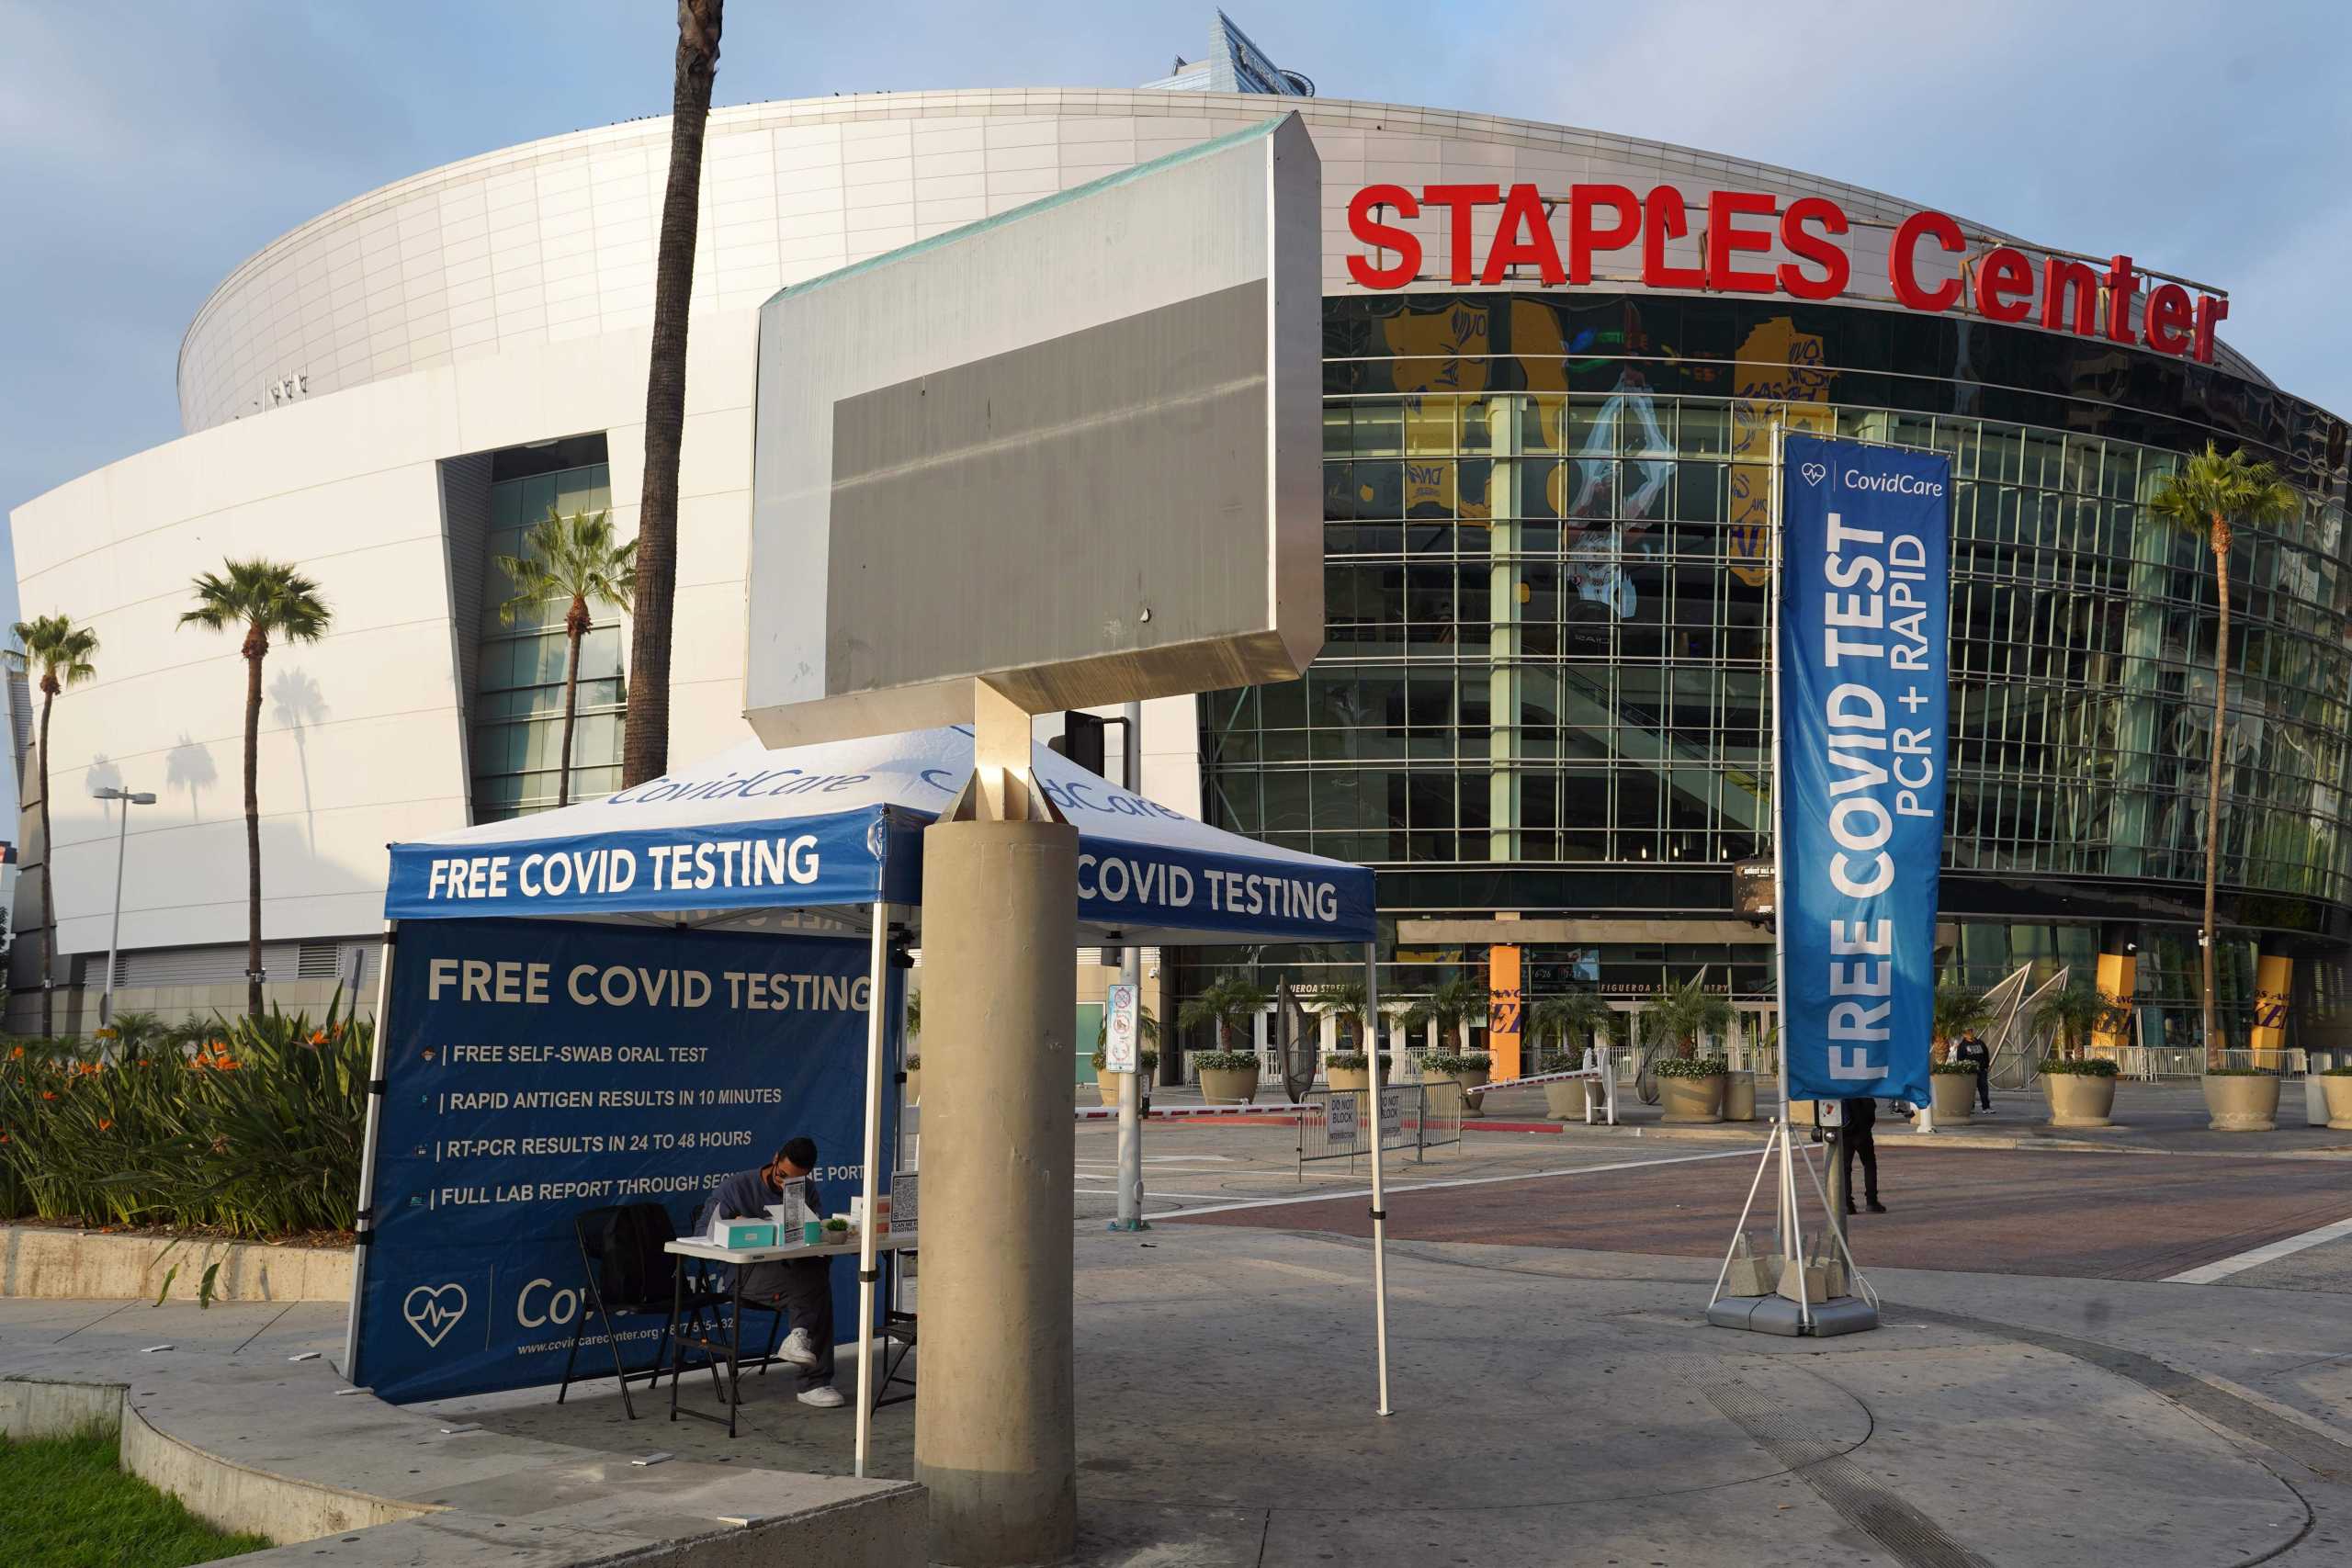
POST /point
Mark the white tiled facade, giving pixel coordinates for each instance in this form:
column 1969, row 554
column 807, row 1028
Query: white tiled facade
column 508, row 299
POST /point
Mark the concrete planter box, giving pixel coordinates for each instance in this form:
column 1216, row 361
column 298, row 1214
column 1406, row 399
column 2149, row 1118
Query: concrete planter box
column 1739, row 1097
column 1228, row 1086
column 1566, row 1101
column 1954, row 1097
column 1107, row 1086
column 1341, row 1078
column 1474, row 1083
column 80, row 1265
column 2339, row 1091
column 2242, row 1104
column 2078, row 1100
column 1692, row 1099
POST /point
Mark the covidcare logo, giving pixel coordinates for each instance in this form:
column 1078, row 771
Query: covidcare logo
column 1893, row 484
column 433, row 1310
column 1814, row 472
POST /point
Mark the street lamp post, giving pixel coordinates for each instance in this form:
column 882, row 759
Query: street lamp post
column 121, row 842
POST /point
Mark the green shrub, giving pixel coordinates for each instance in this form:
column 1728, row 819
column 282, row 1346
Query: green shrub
column 1477, row 1062
column 2240, row 1072
column 1353, row 1061
column 2082, row 1066
column 1225, row 1061
column 2340, row 1072
column 1148, row 1058
column 1955, row 1070
column 1443, row 1063
column 1691, row 1066
column 914, row 1063
column 255, row 1131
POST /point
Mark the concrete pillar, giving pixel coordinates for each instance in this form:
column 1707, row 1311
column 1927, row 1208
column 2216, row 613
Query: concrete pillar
column 995, row 1437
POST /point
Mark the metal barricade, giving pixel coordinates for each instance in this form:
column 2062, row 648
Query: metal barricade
column 1415, row 1117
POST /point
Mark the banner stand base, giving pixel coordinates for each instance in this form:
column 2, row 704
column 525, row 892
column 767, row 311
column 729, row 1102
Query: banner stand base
column 1777, row 1315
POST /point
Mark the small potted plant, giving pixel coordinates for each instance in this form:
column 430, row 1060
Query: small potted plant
column 1951, row 1089
column 1468, row 1072
column 1568, row 1019
column 1352, row 1069
column 2080, row 1090
column 837, row 1229
column 2241, row 1099
column 1106, row 1084
column 1691, row 1088
column 2336, row 1084
column 1229, row 1077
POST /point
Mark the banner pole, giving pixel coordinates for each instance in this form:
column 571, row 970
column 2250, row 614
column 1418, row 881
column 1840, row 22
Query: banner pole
column 1793, row 1220
column 1379, row 1190
column 877, row 991
column 367, row 1215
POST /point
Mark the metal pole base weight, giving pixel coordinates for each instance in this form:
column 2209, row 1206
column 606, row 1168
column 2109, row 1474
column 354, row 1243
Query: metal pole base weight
column 1777, row 1315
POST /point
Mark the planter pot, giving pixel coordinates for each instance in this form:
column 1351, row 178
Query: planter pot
column 1954, row 1095
column 1473, row 1085
column 1107, row 1086
column 1566, row 1101
column 1348, row 1078
column 1739, row 1097
column 1692, row 1099
column 2339, row 1101
column 914, row 1087
column 2242, row 1104
column 1229, row 1085
column 2078, row 1100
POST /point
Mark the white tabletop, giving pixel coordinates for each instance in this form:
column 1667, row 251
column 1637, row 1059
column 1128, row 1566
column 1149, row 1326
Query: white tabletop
column 710, row 1252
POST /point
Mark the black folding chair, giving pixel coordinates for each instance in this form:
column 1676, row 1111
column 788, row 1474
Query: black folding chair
column 630, row 1275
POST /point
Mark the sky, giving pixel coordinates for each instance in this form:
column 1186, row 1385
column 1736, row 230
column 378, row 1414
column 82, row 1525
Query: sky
column 146, row 148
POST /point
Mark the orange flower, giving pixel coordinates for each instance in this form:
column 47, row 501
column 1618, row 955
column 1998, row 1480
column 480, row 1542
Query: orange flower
column 16, row 1054
column 49, row 1094
column 319, row 1037
column 103, row 1126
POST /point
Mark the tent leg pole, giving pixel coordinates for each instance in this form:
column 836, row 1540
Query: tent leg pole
column 877, row 992
column 1379, row 1192
column 361, row 1243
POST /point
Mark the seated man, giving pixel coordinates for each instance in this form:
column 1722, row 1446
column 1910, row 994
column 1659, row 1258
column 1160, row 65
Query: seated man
column 803, row 1287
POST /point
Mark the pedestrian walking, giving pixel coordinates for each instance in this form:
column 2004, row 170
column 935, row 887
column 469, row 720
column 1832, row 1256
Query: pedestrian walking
column 1972, row 1050
column 1854, row 1138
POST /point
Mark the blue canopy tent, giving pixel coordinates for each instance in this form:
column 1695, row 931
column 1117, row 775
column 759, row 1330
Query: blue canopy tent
column 829, row 837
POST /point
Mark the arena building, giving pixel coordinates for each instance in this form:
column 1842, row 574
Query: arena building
column 1553, row 359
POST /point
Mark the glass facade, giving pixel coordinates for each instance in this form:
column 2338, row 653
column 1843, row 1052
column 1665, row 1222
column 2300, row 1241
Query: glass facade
column 518, row 732
column 1543, row 688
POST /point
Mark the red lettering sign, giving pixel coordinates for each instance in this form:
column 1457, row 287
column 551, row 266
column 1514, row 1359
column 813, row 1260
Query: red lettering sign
column 1999, row 284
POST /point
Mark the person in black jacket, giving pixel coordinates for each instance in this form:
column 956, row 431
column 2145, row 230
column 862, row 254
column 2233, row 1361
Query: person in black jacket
column 1861, row 1116
column 1972, row 1051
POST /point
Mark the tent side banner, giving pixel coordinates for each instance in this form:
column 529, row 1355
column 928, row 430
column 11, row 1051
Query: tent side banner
column 792, row 863
column 1175, row 886
column 537, row 1070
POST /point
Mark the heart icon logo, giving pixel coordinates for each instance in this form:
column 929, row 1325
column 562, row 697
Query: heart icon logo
column 1814, row 473
column 434, row 1310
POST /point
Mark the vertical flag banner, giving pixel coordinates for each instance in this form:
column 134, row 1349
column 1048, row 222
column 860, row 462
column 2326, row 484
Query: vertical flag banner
column 1863, row 702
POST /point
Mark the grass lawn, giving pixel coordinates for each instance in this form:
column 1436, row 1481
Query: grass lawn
column 68, row 1506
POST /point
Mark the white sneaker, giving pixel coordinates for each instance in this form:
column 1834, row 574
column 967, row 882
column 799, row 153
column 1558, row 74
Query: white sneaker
column 797, row 1348
column 826, row 1397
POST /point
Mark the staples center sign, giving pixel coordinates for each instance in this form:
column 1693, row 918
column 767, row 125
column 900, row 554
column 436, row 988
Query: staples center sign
column 1560, row 238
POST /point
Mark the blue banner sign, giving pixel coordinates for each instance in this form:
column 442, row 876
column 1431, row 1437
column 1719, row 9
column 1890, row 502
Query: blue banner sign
column 1864, row 731
column 537, row 1069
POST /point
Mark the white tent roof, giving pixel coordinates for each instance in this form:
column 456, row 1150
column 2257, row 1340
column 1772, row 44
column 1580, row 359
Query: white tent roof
column 837, row 829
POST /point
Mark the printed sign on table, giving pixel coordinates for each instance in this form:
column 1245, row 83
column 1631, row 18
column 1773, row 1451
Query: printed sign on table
column 1864, row 678
column 538, row 1069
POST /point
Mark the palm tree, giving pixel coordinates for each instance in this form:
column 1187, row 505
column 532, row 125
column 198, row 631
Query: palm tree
column 2210, row 498
column 571, row 558
column 2071, row 1015
column 1451, row 1007
column 1147, row 1027
column 266, row 598
column 1564, row 1017
column 1958, row 1010
column 61, row 651
column 1680, row 1014
column 645, row 739
column 1343, row 999
column 1227, row 1003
